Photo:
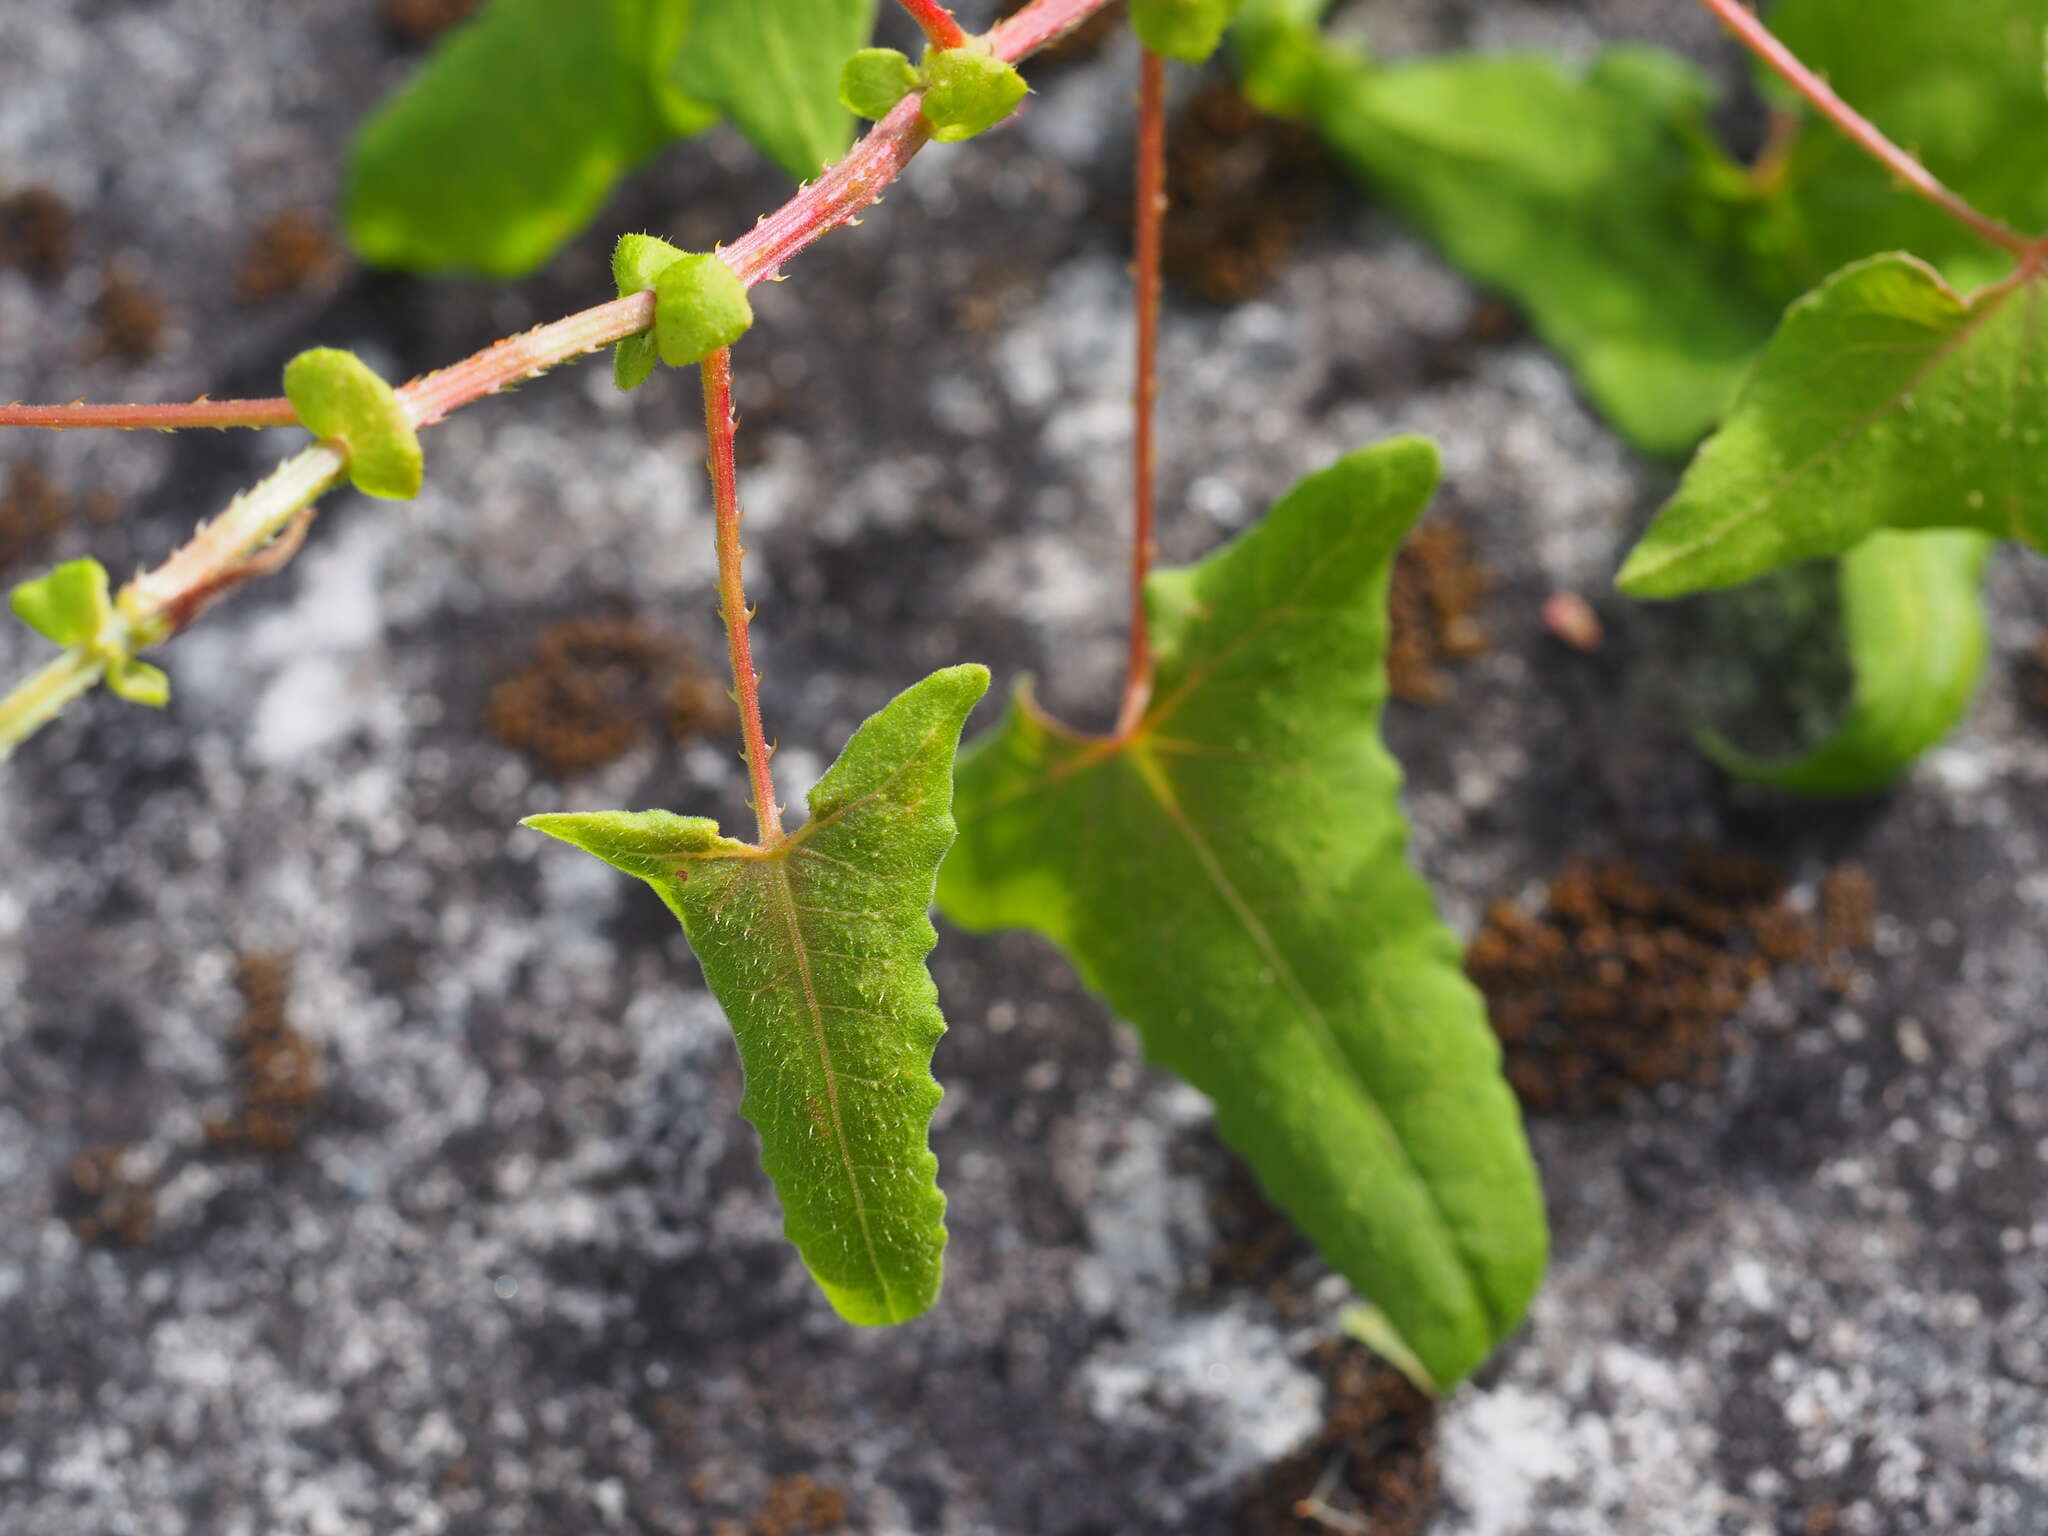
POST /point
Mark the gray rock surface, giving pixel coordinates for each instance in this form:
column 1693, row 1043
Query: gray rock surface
column 523, row 1273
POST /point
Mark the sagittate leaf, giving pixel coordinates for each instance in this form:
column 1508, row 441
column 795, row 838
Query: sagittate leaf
column 1233, row 879
column 1884, row 401
column 773, row 67
column 1597, row 201
column 815, row 949
column 1961, row 84
column 512, row 134
column 1913, row 615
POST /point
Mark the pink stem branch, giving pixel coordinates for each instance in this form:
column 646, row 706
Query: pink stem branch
column 1754, row 36
column 1147, row 216
column 720, row 426
column 160, row 418
column 937, row 23
column 834, row 200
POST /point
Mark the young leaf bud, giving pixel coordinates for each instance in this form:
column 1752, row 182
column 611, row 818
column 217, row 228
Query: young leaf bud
column 1188, row 30
column 139, row 683
column 874, row 80
column 347, row 406
column 968, row 91
column 700, row 305
column 68, row 606
column 637, row 261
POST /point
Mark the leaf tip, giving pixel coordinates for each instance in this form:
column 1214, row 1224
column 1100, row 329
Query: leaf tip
column 1647, row 575
column 644, row 844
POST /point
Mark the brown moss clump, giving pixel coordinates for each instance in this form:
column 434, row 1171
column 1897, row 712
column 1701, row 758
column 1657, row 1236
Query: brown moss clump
column 291, row 253
column 796, row 1505
column 33, row 509
column 1242, row 189
column 35, row 233
column 594, row 688
column 421, row 21
column 1624, row 983
column 1373, row 1467
column 112, row 1205
column 277, row 1069
column 131, row 319
column 1433, row 611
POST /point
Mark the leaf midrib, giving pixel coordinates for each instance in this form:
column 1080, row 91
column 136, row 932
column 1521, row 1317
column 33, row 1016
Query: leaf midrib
column 1154, row 777
column 800, row 952
column 777, row 859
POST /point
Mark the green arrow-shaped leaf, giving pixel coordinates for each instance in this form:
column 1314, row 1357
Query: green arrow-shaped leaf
column 1232, row 877
column 815, row 949
column 1884, row 401
column 1913, row 615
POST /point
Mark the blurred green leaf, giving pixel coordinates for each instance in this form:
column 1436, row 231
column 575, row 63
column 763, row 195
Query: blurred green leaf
column 773, row 67
column 1961, row 85
column 1596, row 200
column 1233, row 879
column 1913, row 614
column 514, row 131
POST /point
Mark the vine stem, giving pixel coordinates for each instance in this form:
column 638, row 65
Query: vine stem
column 836, row 199
column 1148, row 214
column 937, row 23
column 720, row 426
column 238, row 545
column 259, row 530
column 161, row 418
column 40, row 698
column 1753, row 35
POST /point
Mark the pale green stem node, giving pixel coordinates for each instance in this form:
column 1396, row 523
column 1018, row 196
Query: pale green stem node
column 72, row 606
column 874, row 80
column 347, row 406
column 1188, row 30
column 968, row 91
column 637, row 261
column 700, row 306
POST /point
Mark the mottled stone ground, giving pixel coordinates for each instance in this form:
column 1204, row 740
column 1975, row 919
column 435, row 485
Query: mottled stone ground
column 518, row 1270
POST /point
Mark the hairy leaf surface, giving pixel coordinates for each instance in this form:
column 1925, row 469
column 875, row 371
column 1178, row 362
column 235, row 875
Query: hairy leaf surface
column 1596, row 200
column 1234, row 880
column 513, row 132
column 815, row 949
column 1913, row 616
column 1884, row 401
column 773, row 66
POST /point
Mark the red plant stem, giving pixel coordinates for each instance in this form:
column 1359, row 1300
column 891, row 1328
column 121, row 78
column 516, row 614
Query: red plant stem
column 1867, row 136
column 834, row 200
column 161, row 418
column 937, row 23
column 1147, row 216
column 719, row 426
column 431, row 398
